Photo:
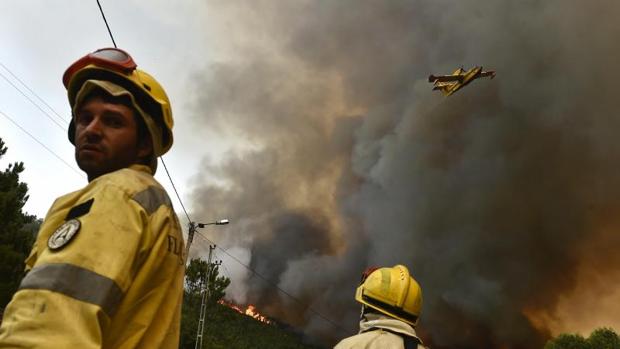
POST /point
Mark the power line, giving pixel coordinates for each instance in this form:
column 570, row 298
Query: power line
column 34, row 93
column 33, row 103
column 203, row 243
column 161, row 157
column 189, row 220
column 36, row 140
column 223, row 265
column 106, row 23
column 175, row 189
column 199, row 234
column 274, row 285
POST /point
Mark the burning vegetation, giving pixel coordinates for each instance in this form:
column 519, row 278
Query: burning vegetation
column 250, row 310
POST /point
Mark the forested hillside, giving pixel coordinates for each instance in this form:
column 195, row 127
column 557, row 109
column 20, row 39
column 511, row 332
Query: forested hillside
column 225, row 327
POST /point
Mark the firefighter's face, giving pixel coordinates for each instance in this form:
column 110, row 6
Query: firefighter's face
column 106, row 137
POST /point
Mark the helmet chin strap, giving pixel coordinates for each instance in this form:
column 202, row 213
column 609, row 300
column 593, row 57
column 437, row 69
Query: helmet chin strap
column 363, row 312
column 366, row 310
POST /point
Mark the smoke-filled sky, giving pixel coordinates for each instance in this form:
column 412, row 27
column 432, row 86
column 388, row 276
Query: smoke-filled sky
column 501, row 199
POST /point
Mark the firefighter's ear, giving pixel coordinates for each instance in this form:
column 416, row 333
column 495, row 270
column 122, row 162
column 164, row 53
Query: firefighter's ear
column 145, row 147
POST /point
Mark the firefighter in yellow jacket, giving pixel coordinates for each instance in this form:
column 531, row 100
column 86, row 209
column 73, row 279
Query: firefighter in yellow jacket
column 391, row 303
column 106, row 270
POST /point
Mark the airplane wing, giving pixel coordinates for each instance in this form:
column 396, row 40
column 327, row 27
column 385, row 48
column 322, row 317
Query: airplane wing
column 445, row 78
column 440, row 85
column 447, row 88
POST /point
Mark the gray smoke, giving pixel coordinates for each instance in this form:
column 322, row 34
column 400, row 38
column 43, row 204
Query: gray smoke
column 488, row 196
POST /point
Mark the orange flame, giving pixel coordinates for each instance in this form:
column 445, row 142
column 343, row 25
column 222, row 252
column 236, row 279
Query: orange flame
column 250, row 311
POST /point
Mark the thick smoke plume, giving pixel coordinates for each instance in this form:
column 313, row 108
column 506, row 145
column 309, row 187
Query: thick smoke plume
column 502, row 199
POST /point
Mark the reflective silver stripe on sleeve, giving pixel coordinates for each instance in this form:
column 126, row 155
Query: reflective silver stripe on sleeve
column 75, row 282
column 151, row 198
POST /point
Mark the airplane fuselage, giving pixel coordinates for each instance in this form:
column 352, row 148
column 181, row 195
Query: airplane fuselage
column 469, row 76
column 448, row 84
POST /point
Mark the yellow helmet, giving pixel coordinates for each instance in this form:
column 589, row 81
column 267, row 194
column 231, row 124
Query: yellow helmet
column 149, row 94
column 392, row 291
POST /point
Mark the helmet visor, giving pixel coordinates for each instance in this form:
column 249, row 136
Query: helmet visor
column 110, row 58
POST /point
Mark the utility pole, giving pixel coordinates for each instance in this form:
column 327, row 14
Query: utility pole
column 190, row 238
column 204, row 289
column 204, row 294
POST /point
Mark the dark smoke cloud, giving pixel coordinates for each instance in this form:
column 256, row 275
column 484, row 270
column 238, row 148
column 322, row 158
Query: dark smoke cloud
column 488, row 196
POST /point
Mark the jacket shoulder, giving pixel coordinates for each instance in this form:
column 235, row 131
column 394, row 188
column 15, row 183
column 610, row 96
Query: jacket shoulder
column 141, row 187
column 129, row 180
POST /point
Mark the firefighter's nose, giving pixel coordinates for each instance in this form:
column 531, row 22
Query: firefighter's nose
column 93, row 129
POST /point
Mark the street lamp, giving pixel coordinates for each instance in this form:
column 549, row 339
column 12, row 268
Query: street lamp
column 220, row 222
column 192, row 230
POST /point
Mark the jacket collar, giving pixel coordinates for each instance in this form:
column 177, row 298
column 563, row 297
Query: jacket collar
column 140, row 168
column 372, row 321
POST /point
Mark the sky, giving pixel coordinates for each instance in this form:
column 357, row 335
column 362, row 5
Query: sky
column 43, row 38
column 312, row 127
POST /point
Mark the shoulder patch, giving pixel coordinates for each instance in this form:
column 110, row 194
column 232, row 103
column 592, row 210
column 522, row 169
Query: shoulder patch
column 80, row 210
column 151, row 198
column 63, row 235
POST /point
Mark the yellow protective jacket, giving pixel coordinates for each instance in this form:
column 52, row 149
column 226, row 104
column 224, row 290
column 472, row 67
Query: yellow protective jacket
column 106, row 270
column 382, row 332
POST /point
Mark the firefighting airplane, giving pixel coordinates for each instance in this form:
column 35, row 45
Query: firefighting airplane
column 448, row 84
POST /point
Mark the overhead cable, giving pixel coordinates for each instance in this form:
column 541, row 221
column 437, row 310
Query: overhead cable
column 224, row 251
column 33, row 102
column 274, row 285
column 62, row 119
column 106, row 23
column 175, row 189
column 40, row 143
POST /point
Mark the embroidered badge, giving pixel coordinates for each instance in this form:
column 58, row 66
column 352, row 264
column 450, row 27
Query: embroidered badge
column 63, row 234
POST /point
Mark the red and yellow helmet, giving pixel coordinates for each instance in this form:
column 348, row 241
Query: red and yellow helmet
column 117, row 66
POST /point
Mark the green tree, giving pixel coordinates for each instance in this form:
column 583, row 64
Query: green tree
column 17, row 229
column 602, row 338
column 199, row 273
column 567, row 341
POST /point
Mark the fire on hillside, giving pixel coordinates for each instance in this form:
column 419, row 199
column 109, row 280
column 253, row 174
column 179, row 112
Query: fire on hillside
column 250, row 311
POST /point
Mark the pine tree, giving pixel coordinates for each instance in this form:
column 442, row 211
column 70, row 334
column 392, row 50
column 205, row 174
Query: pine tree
column 17, row 229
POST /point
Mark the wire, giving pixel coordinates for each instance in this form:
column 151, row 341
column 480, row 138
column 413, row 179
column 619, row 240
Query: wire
column 175, row 189
column 43, row 145
column 33, row 103
column 34, row 93
column 224, row 265
column 274, row 285
column 106, row 23
column 199, row 234
column 161, row 157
